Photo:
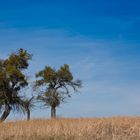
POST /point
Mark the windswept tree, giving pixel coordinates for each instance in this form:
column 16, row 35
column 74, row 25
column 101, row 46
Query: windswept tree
column 29, row 105
column 12, row 80
column 55, row 86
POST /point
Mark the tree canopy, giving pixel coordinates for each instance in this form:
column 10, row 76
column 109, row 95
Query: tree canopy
column 12, row 80
column 57, row 85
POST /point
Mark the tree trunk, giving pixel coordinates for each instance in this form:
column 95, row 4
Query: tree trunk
column 53, row 112
column 5, row 113
column 28, row 115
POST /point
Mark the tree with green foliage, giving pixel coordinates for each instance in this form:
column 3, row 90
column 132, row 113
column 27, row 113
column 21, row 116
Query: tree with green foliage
column 56, row 86
column 12, row 80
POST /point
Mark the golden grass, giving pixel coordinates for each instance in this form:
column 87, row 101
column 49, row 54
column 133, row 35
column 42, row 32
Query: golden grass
column 117, row 128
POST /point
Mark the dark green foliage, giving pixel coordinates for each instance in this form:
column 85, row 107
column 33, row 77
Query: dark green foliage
column 12, row 80
column 57, row 85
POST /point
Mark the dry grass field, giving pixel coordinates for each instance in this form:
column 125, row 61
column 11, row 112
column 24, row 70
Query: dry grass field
column 117, row 128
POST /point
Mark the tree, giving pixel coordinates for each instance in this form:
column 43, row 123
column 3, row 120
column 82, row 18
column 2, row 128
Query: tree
column 12, row 80
column 29, row 104
column 56, row 85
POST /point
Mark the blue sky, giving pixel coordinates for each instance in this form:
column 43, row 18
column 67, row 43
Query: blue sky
column 99, row 39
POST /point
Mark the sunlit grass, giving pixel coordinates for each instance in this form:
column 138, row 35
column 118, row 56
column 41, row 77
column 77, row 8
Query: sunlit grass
column 117, row 128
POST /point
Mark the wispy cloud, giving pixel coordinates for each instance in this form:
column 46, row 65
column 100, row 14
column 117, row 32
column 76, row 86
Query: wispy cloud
column 109, row 69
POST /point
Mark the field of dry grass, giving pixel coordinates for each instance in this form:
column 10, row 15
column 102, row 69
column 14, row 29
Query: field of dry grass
column 119, row 128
